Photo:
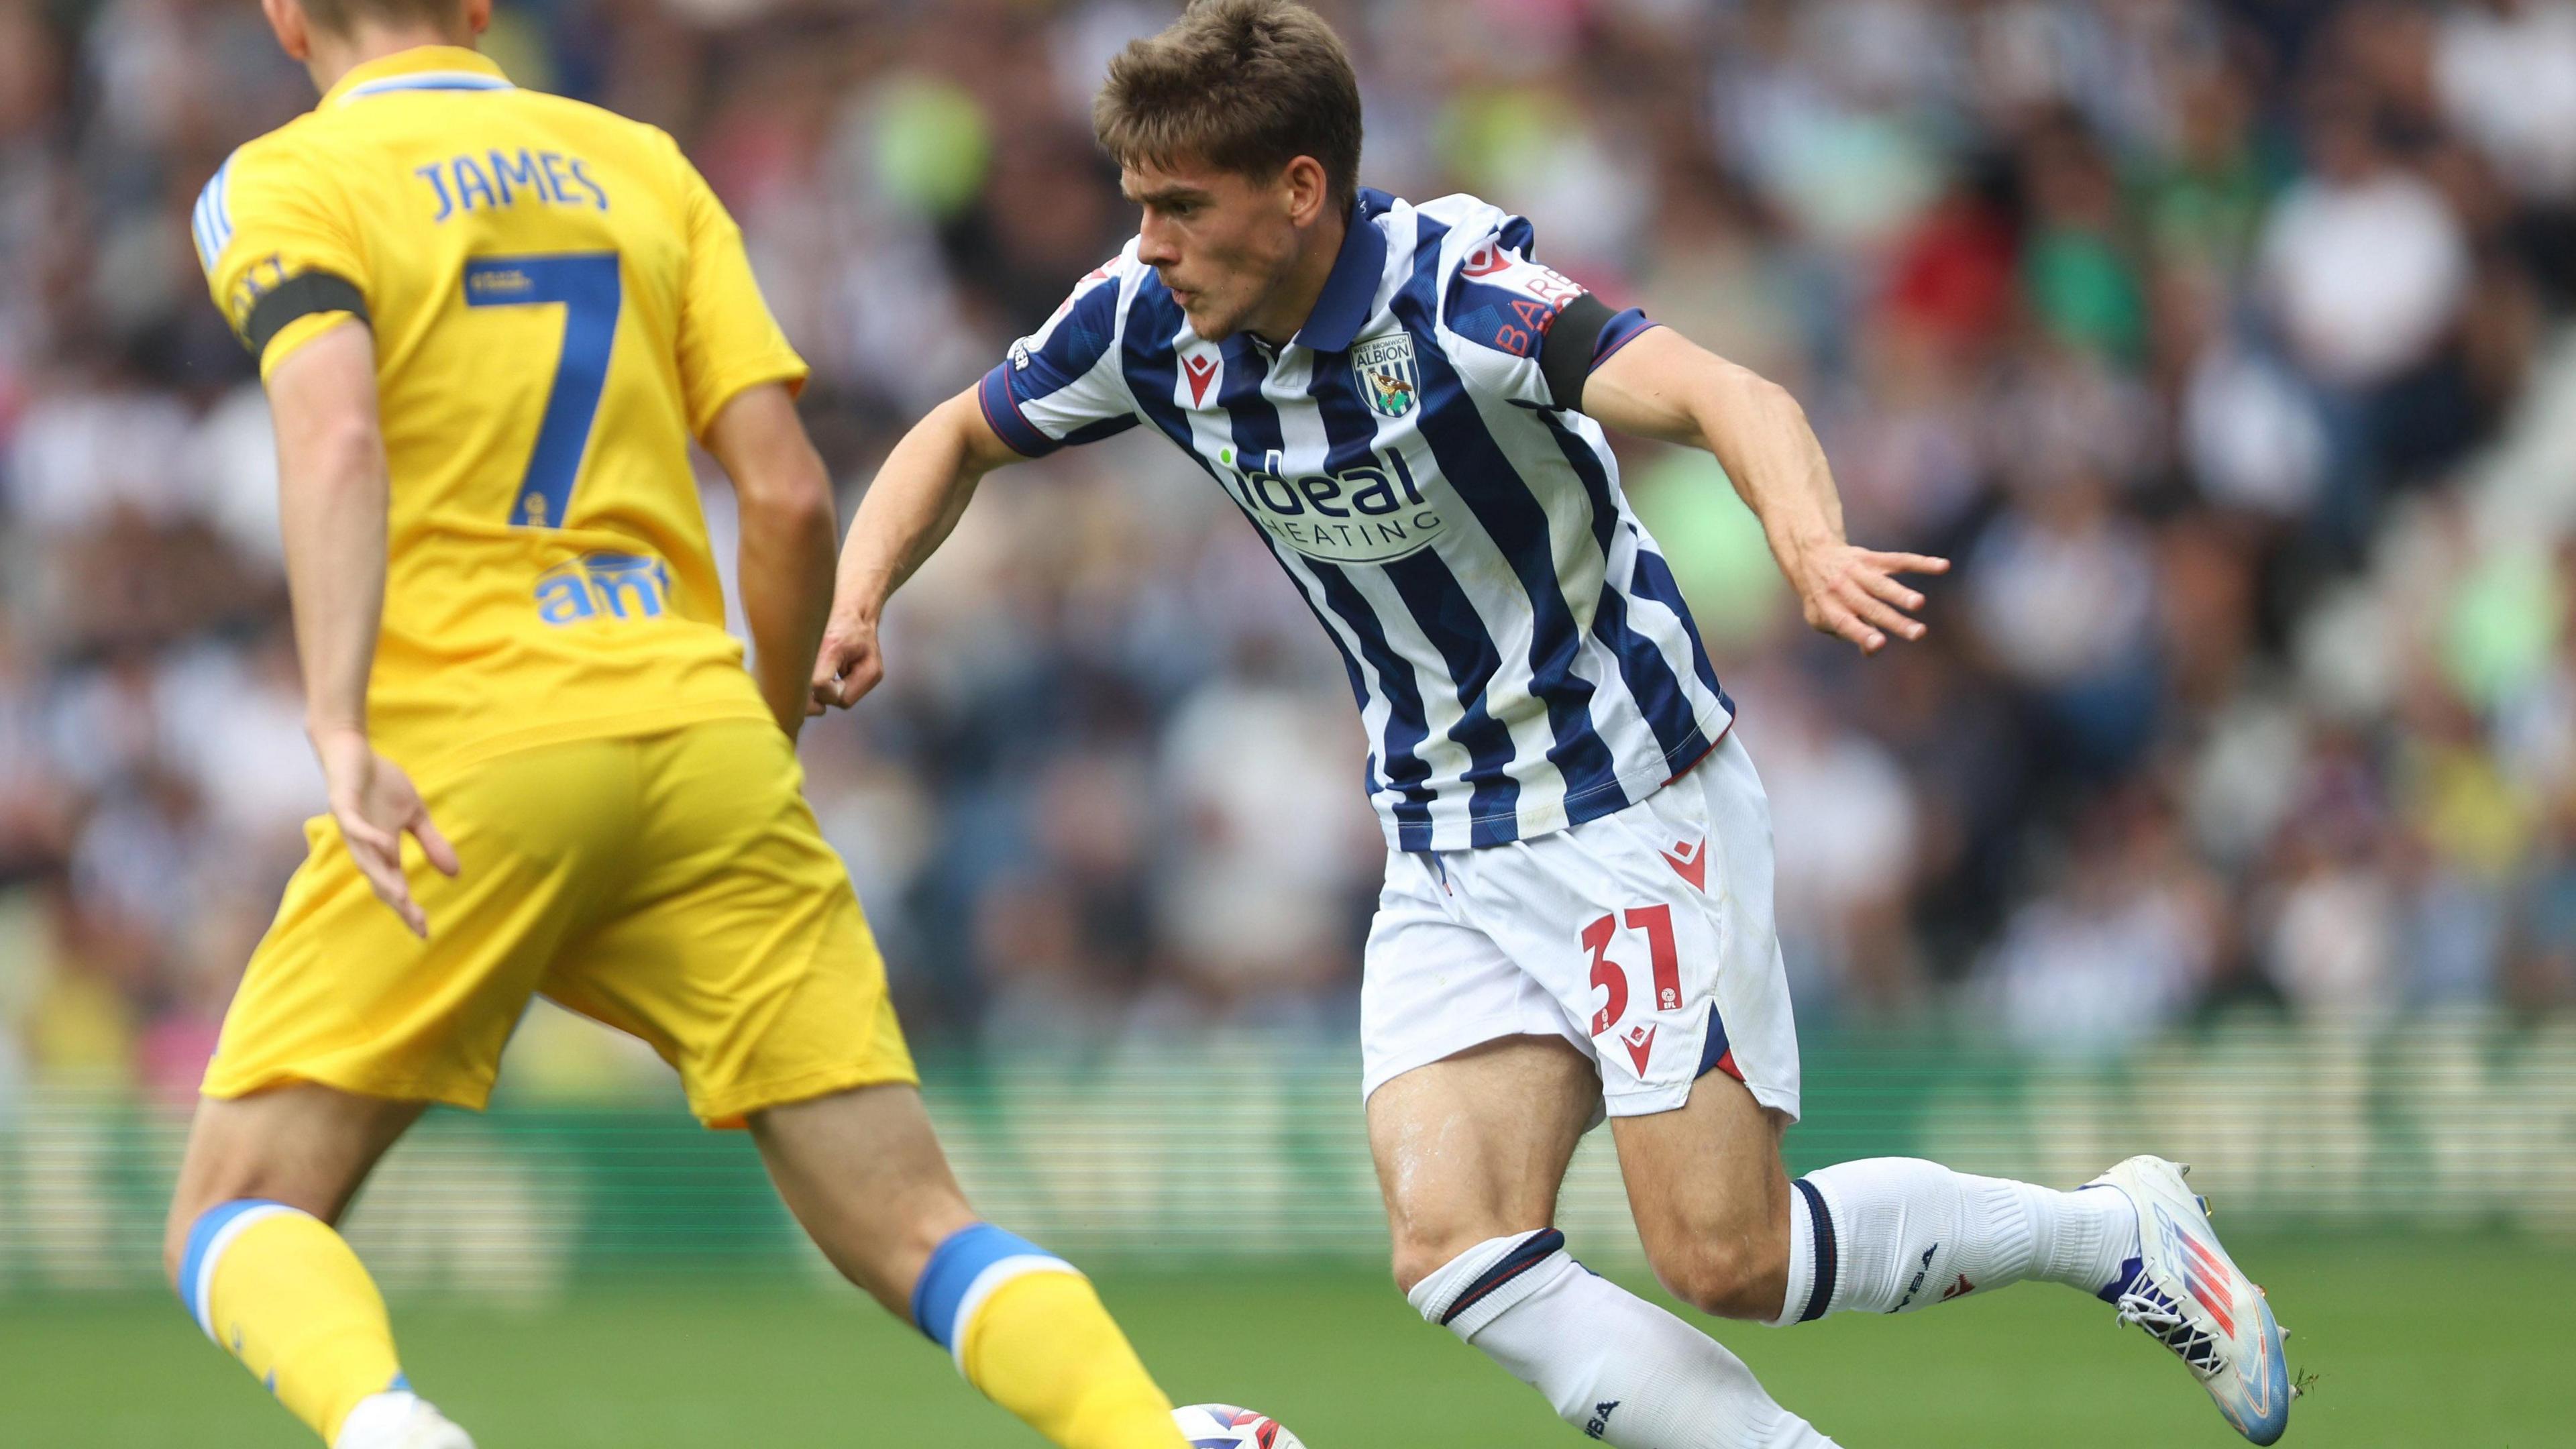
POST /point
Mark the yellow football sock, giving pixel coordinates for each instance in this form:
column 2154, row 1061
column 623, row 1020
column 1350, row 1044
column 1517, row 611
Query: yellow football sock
column 284, row 1293
column 1045, row 1348
column 1028, row 1331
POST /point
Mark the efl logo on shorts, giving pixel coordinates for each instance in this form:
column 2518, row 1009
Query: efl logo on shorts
column 614, row 585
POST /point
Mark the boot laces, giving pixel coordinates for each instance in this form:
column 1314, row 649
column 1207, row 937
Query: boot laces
column 2165, row 1322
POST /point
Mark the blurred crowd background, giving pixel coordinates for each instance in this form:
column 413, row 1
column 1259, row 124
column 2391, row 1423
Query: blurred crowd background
column 2225, row 346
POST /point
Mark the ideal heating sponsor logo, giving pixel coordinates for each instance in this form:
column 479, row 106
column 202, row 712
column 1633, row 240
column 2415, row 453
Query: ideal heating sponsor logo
column 604, row 586
column 1372, row 512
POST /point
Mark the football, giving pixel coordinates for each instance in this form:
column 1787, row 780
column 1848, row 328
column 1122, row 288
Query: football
column 1223, row 1426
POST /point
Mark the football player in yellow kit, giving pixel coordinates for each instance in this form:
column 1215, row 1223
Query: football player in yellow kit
column 489, row 322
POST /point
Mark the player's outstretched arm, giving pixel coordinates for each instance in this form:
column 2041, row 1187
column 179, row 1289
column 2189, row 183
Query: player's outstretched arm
column 784, row 496
column 908, row 512
column 1663, row 385
column 333, row 496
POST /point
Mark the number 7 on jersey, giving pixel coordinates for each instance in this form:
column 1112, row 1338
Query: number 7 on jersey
column 587, row 285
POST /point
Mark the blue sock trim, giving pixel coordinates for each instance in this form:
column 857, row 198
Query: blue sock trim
column 401, row 1383
column 1533, row 1250
column 952, row 1270
column 201, row 1237
column 2130, row 1268
column 1821, row 1295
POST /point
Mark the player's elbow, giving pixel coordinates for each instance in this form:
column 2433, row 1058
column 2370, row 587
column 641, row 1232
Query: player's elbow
column 790, row 491
column 1749, row 394
column 339, row 449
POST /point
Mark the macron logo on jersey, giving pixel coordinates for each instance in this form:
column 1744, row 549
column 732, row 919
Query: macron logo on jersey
column 1201, row 370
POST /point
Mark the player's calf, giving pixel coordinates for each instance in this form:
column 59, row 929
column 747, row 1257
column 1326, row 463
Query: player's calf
column 863, row 1172
column 270, row 1281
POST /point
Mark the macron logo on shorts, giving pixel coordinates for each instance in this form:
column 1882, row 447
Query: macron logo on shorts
column 1689, row 860
column 1640, row 1043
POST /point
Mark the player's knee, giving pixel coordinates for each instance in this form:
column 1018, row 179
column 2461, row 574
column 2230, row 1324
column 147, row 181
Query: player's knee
column 1420, row 1252
column 1414, row 1262
column 1731, row 1277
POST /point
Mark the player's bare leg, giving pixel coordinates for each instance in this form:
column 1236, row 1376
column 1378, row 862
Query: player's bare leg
column 864, row 1174
column 1474, row 1148
column 1711, row 1199
column 1470, row 1154
column 252, row 1249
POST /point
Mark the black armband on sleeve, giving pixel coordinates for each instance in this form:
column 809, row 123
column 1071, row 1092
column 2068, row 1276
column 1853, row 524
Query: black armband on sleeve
column 300, row 296
column 1565, row 359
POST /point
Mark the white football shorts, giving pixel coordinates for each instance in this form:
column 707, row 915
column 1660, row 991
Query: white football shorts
column 1645, row 938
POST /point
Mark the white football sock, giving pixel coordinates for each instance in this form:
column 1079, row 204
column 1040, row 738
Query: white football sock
column 1613, row 1365
column 398, row 1419
column 1894, row 1234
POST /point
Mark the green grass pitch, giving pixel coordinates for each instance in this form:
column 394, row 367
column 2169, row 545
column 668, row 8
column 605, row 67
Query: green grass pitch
column 2461, row 1344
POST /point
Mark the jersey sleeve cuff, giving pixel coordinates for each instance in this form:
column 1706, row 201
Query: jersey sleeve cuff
column 1619, row 331
column 787, row 368
column 288, row 340
column 1002, row 414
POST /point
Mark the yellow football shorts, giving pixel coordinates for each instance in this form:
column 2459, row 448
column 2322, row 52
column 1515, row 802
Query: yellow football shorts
column 674, row 886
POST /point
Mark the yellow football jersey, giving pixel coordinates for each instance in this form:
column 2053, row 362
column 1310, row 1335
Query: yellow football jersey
column 558, row 304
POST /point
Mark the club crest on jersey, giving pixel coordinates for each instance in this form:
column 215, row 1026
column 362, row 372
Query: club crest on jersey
column 1386, row 374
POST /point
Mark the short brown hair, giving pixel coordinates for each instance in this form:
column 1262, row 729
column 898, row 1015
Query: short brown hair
column 343, row 17
column 1243, row 85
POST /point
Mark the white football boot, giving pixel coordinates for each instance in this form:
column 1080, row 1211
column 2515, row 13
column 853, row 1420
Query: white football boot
column 398, row 1419
column 2191, row 1297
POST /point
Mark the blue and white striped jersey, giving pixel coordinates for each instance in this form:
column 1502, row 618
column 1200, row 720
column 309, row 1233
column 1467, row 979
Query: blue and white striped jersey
column 1521, row 655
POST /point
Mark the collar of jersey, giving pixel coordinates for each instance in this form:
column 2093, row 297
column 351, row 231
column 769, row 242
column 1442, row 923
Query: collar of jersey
column 421, row 68
column 1350, row 293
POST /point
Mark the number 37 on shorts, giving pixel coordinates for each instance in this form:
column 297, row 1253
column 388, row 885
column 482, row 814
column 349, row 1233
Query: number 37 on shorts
column 1656, row 924
column 1644, row 938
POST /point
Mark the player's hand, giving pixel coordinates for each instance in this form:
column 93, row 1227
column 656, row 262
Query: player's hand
column 376, row 806
column 848, row 665
column 1853, row 593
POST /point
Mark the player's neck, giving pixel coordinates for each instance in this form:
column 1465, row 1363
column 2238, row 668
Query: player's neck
column 333, row 56
column 1280, row 318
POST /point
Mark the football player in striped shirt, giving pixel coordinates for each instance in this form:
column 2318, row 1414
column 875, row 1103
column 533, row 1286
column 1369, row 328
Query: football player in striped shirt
column 1576, row 917
column 489, row 322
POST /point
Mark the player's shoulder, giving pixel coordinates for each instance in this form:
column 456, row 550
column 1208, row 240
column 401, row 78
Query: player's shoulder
column 1468, row 222
column 1123, row 274
column 606, row 124
column 1097, row 302
column 604, row 134
column 1494, row 294
column 287, row 155
column 291, row 163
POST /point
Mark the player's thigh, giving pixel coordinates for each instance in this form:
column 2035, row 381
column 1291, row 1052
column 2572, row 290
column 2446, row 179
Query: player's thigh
column 1711, row 1198
column 306, row 1146
column 340, row 994
column 864, row 1174
column 738, row 949
column 1475, row 1146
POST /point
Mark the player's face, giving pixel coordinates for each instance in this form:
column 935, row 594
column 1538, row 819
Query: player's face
column 1223, row 242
